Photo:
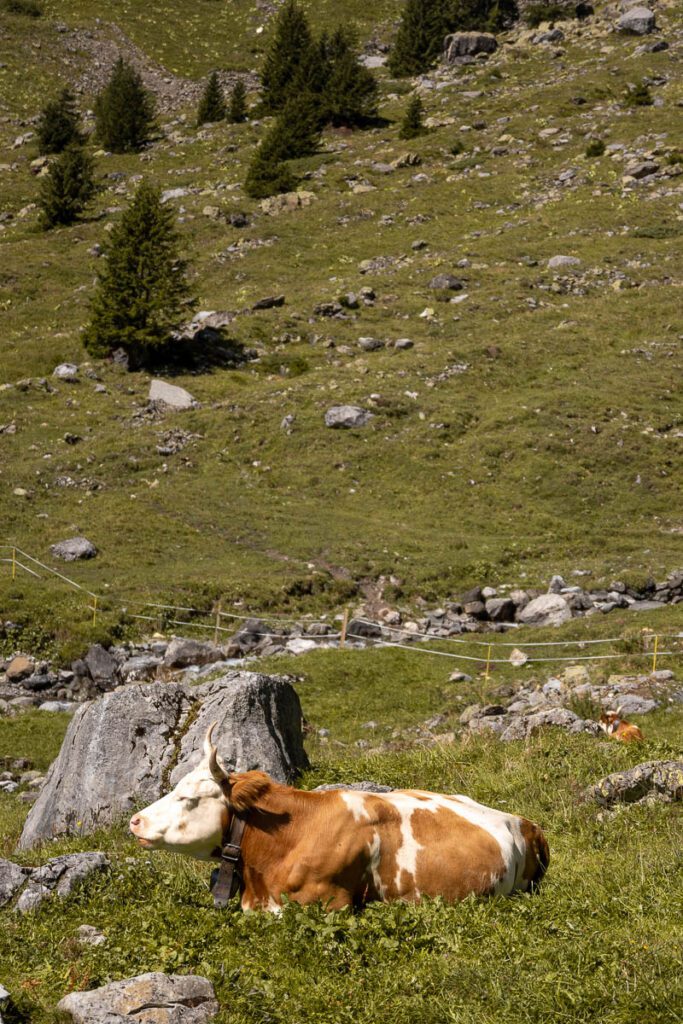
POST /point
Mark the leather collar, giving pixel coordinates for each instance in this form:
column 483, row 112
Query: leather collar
column 229, row 878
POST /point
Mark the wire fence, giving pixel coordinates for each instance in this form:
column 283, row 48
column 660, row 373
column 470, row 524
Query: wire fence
column 399, row 637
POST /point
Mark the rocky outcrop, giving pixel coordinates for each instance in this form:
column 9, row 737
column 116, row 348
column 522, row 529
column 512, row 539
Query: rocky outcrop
column 639, row 21
column 147, row 999
column 651, row 780
column 58, row 877
column 135, row 743
column 461, row 45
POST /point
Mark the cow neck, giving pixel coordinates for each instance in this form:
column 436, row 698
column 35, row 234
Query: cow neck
column 229, row 880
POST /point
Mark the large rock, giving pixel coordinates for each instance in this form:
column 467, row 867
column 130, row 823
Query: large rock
column 170, row 394
column 638, row 20
column 468, row 44
column 146, row 999
column 137, row 742
column 102, row 666
column 662, row 780
column 346, row 416
column 58, row 877
column 546, row 610
column 20, row 667
column 183, row 651
column 523, row 726
column 73, row 549
column 286, row 202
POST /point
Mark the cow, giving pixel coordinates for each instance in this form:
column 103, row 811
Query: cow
column 342, row 847
column 614, row 725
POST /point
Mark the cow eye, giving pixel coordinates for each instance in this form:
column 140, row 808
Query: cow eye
column 191, row 801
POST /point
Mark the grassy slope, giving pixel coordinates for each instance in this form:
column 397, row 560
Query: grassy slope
column 601, row 942
column 557, row 453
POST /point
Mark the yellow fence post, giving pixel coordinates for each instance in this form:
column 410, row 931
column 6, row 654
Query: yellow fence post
column 94, row 610
column 218, row 623
column 654, row 655
column 344, row 626
column 488, row 661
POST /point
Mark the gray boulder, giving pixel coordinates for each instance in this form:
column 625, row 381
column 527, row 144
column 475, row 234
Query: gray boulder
column 546, row 610
column 58, row 877
column 446, row 282
column 12, row 877
column 468, row 44
column 73, row 549
column 638, row 20
column 182, row 652
column 563, row 262
column 102, row 666
column 67, row 372
column 346, row 416
column 523, row 726
column 170, row 394
column 135, row 743
column 662, row 780
column 147, row 999
column 634, row 704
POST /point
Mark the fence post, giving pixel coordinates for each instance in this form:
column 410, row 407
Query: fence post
column 14, row 563
column 344, row 626
column 654, row 655
column 488, row 662
column 94, row 609
column 219, row 608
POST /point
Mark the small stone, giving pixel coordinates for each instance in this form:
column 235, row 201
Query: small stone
column 518, row 658
column 88, row 935
column 270, row 302
column 346, row 417
column 403, row 344
column 20, row 667
column 562, row 262
column 446, row 282
column 73, row 549
column 171, row 395
column 67, row 372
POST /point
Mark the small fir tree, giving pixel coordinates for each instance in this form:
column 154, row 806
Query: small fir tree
column 58, row 124
column 212, row 104
column 142, row 290
column 349, row 94
column 419, row 40
column 412, row 125
column 291, row 45
column 237, row 111
column 267, row 176
column 638, row 95
column 124, row 111
column 296, row 131
column 67, row 188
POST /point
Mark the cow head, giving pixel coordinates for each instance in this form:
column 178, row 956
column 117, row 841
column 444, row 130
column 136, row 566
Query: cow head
column 192, row 817
column 609, row 720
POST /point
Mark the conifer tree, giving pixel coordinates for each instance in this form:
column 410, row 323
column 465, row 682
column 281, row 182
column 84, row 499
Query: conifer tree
column 237, row 111
column 124, row 111
column 58, row 124
column 296, row 131
column 142, row 291
column 291, row 45
column 67, row 188
column 212, row 103
column 412, row 125
column 419, row 40
column 267, row 176
column 349, row 94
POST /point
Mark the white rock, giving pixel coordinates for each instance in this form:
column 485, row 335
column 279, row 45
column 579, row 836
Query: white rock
column 170, row 394
column 557, row 262
column 546, row 610
column 66, row 371
column 299, row 645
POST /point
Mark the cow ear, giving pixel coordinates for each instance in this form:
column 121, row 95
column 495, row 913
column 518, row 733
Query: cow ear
column 247, row 788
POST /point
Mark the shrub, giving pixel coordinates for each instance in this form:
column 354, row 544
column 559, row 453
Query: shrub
column 29, row 8
column 124, row 111
column 212, row 103
column 237, row 111
column 142, row 291
column 411, row 124
column 535, row 14
column 58, row 124
column 68, row 187
column 596, row 147
column 638, row 95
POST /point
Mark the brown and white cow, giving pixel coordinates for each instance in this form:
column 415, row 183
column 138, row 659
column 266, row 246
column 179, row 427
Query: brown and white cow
column 343, row 847
column 614, row 725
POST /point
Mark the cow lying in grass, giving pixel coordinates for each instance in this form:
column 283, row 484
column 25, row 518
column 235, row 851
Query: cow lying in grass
column 342, row 847
column 614, row 725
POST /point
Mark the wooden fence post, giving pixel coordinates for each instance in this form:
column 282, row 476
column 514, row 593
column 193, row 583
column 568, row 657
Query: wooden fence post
column 344, row 626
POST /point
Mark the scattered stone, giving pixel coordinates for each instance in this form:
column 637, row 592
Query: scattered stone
column 88, row 935
column 20, row 667
column 171, row 395
column 660, row 780
column 523, row 726
column 102, row 666
column 67, row 372
column 58, row 877
column 123, row 750
column 638, row 20
column 546, row 610
column 468, row 44
column 346, row 417
column 270, row 302
column 563, row 262
column 403, row 344
column 446, row 282
column 182, row 652
column 370, row 344
column 153, row 998
column 73, row 549
column 640, row 169
column 12, row 877
column 286, row 202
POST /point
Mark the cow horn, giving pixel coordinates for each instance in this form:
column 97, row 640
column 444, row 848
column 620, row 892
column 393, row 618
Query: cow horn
column 618, row 711
column 211, row 753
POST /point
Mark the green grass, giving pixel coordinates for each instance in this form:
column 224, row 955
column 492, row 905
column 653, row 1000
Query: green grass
column 601, row 941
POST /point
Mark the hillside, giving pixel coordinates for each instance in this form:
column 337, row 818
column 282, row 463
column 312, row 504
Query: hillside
column 534, row 425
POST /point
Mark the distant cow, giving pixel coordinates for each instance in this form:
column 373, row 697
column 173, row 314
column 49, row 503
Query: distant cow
column 341, row 847
column 614, row 725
